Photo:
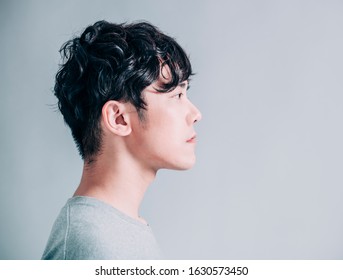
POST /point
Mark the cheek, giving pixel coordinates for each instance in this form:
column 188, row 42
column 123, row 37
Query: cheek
column 164, row 134
column 161, row 139
column 162, row 145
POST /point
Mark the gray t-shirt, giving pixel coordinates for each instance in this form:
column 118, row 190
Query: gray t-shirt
column 88, row 228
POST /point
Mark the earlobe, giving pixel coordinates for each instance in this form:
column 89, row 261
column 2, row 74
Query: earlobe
column 115, row 118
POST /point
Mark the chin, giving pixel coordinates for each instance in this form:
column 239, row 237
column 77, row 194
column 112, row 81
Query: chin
column 184, row 165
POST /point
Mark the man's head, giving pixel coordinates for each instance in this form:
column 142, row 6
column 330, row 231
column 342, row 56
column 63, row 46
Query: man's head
column 114, row 62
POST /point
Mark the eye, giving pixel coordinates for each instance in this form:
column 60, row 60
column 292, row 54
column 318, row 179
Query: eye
column 179, row 95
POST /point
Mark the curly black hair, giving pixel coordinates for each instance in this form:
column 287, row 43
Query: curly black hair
column 113, row 62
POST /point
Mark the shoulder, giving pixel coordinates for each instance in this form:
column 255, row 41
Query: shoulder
column 90, row 229
column 79, row 232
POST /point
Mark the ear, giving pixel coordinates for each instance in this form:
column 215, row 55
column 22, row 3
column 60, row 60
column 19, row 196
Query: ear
column 115, row 116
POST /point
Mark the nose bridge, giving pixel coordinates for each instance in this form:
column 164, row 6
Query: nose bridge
column 195, row 114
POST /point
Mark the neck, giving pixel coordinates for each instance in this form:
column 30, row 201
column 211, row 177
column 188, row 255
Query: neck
column 120, row 183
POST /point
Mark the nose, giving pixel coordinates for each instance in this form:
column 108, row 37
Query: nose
column 195, row 114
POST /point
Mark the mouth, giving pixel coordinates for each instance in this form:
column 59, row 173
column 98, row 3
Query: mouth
column 192, row 139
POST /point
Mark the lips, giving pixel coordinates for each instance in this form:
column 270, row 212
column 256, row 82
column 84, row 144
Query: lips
column 192, row 139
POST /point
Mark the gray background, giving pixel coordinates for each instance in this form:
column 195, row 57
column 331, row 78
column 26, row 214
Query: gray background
column 268, row 180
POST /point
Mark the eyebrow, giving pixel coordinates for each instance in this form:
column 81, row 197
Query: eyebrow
column 183, row 84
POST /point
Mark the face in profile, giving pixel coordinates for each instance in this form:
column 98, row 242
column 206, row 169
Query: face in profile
column 166, row 138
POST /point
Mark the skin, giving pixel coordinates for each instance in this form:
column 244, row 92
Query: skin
column 134, row 150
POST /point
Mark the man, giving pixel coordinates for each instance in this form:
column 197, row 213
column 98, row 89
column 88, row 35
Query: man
column 123, row 92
